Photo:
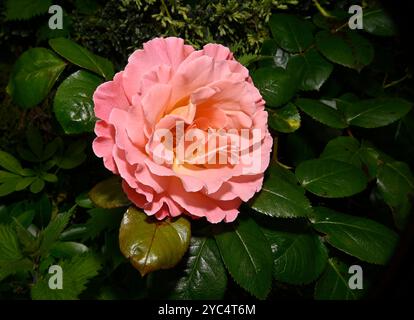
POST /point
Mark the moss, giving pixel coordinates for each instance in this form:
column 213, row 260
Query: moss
column 119, row 27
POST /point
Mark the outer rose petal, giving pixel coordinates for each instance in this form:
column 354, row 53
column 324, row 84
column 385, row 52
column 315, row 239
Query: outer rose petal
column 104, row 143
column 110, row 95
column 170, row 52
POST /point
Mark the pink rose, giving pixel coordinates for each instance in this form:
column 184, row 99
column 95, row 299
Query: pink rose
column 185, row 129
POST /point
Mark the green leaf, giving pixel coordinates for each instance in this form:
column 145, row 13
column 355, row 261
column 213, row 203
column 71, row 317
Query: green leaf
column 50, row 149
column 26, row 9
column 342, row 149
column 248, row 59
column 33, row 75
column 35, row 141
column 67, row 249
column 52, row 232
column 345, row 48
column 73, row 156
column 280, row 197
column 316, row 69
column 360, row 237
column 73, row 105
column 272, row 55
column 9, row 244
column 49, row 177
column 11, row 267
column 43, row 209
column 75, row 232
column 12, row 260
column 377, row 22
column 299, row 258
column 109, row 194
column 378, row 112
column 9, row 185
column 24, row 182
column 395, row 182
column 247, row 256
column 10, row 163
column 331, row 178
column 349, row 150
column 76, row 274
column 25, row 218
column 84, row 201
column 37, row 185
column 204, row 276
column 285, row 119
column 5, row 175
column 333, row 284
column 29, row 243
column 100, row 220
column 276, row 85
column 82, row 57
column 322, row 112
column 152, row 245
column 290, row 32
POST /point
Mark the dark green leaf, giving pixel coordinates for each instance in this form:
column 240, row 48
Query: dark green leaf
column 82, row 57
column 272, row 55
column 9, row 185
column 299, row 258
column 276, row 85
column 100, row 220
column 348, row 149
column 373, row 113
column 290, row 32
column 33, row 75
column 396, row 184
column 37, row 185
column 52, row 232
column 331, row 178
column 35, row 141
column 322, row 112
column 10, row 163
column 247, row 256
column 43, row 209
column 84, row 201
column 205, row 276
column 26, row 9
column 333, row 284
column 67, row 249
column 73, row 156
column 285, row 119
column 377, row 22
column 73, row 103
column 9, row 244
column 360, row 237
column 345, row 48
column 280, row 197
column 316, row 69
column 49, row 177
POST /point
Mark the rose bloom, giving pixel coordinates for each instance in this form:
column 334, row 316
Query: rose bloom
column 167, row 85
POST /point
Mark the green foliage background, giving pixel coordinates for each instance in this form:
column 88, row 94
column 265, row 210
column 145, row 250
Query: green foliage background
column 339, row 190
